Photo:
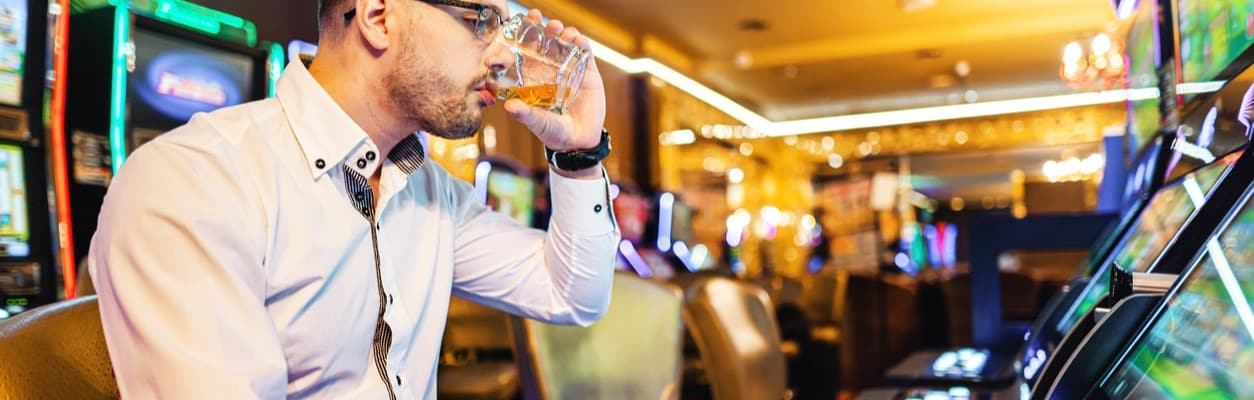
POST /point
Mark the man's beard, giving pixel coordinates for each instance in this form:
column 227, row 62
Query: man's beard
column 435, row 103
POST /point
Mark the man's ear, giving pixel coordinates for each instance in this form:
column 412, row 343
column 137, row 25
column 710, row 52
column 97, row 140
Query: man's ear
column 372, row 21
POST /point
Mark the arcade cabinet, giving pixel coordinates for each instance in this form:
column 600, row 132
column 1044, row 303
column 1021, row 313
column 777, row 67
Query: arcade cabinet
column 28, row 276
column 631, row 212
column 1199, row 153
column 1170, row 220
column 671, row 230
column 1199, row 339
column 507, row 188
column 144, row 67
column 1197, row 343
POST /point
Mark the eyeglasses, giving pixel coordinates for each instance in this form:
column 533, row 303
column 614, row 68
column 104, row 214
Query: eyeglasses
column 486, row 23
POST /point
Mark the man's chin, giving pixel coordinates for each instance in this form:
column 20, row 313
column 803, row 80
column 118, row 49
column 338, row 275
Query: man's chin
column 471, row 118
column 458, row 132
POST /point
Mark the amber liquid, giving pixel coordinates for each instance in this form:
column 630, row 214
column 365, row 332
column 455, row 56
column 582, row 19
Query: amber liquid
column 543, row 96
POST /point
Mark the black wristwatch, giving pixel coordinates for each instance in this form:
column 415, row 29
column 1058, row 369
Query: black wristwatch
column 577, row 160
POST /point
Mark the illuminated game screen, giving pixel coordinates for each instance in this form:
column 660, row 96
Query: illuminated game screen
column 512, row 195
column 1153, row 230
column 14, row 220
column 632, row 213
column 175, row 78
column 13, row 16
column 1213, row 33
column 1215, row 127
column 1143, row 39
column 681, row 224
column 1202, row 344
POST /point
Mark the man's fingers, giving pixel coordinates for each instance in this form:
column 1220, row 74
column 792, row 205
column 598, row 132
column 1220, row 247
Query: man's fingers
column 540, row 122
column 570, row 35
column 554, row 28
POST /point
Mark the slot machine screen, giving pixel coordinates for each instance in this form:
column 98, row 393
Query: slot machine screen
column 632, row 214
column 681, row 224
column 13, row 15
column 1143, row 59
column 175, row 78
column 1218, row 125
column 1213, row 34
column 1201, row 344
column 14, row 220
column 1149, row 236
column 512, row 195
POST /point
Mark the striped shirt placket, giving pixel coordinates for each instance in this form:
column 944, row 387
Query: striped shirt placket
column 408, row 155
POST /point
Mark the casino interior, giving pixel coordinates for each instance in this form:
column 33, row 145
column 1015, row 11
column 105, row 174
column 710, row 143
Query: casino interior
column 890, row 199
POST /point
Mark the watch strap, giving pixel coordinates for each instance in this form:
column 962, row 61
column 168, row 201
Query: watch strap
column 577, row 160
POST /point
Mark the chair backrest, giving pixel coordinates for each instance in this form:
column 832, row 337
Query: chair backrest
column 474, row 329
column 733, row 323
column 478, row 356
column 883, row 329
column 56, row 352
column 84, row 286
column 633, row 352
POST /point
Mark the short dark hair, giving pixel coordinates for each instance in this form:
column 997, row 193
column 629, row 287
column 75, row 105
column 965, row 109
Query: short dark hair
column 330, row 12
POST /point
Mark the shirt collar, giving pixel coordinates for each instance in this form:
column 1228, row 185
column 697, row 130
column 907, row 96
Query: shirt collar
column 328, row 136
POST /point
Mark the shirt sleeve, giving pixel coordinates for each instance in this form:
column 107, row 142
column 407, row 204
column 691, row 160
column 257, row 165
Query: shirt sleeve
column 177, row 261
column 562, row 276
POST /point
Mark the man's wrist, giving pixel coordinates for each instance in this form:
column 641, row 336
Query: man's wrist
column 584, row 174
column 581, row 159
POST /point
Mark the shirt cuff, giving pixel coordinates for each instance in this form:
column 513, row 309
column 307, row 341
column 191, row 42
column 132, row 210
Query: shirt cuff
column 582, row 206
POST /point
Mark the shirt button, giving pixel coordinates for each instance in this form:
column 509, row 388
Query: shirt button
column 360, row 196
column 597, row 208
column 398, row 380
column 370, row 155
column 361, row 163
column 390, row 298
column 320, row 164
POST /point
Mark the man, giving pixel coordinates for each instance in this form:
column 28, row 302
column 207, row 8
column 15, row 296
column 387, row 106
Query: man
column 302, row 246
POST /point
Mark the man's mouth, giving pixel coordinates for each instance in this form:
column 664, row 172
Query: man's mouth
column 487, row 92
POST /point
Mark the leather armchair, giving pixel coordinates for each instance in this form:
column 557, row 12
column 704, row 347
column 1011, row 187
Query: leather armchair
column 478, row 361
column 631, row 353
column 733, row 324
column 56, row 352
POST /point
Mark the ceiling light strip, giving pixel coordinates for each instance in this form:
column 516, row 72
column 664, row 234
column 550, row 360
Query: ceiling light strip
column 942, row 113
column 875, row 119
column 709, row 96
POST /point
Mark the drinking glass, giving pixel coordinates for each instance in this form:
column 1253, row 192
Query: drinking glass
column 547, row 71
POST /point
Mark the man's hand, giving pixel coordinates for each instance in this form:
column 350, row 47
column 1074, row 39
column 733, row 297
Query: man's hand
column 580, row 127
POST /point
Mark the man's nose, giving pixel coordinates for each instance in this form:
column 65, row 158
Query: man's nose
column 499, row 57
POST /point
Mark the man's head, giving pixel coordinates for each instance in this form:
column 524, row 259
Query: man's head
column 435, row 60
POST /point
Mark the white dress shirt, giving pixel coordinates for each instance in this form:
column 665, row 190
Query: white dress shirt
column 240, row 256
